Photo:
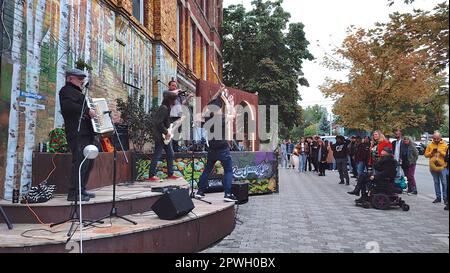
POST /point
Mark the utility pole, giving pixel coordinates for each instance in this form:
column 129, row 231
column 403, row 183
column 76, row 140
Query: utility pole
column 331, row 124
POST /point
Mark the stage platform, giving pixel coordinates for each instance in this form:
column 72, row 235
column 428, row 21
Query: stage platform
column 207, row 224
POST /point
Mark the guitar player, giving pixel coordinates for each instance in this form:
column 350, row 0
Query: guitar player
column 161, row 123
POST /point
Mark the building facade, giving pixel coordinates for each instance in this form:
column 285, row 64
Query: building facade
column 129, row 44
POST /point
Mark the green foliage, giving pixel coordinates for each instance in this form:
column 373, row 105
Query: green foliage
column 138, row 120
column 324, row 126
column 261, row 56
column 81, row 64
column 311, row 130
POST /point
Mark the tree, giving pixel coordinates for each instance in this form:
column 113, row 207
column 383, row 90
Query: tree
column 261, row 56
column 311, row 130
column 139, row 121
column 391, row 73
column 324, row 125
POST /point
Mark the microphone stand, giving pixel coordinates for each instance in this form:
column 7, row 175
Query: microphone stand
column 5, row 218
column 192, row 195
column 74, row 215
column 113, row 212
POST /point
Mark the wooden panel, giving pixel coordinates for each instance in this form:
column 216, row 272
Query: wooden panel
column 101, row 174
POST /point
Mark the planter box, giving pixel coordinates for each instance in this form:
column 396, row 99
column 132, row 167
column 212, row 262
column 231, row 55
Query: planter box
column 259, row 169
column 100, row 176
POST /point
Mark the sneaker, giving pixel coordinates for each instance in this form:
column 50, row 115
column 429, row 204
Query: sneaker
column 173, row 177
column 72, row 198
column 437, row 200
column 153, row 179
column 200, row 195
column 353, row 192
column 229, row 198
column 342, row 182
column 413, row 192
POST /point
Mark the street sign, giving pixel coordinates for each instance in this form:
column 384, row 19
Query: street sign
column 32, row 105
column 32, row 95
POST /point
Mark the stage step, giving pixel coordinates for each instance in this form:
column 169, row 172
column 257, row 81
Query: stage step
column 131, row 198
column 205, row 225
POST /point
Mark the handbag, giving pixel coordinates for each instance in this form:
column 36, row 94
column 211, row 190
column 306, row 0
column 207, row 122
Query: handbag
column 40, row 193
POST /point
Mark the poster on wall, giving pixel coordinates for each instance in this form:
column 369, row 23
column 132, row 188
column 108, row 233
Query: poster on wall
column 259, row 169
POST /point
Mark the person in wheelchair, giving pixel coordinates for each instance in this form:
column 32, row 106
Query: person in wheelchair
column 382, row 178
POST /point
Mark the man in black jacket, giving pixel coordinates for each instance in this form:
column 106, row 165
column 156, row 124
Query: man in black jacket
column 384, row 173
column 161, row 124
column 340, row 153
column 72, row 99
column 218, row 150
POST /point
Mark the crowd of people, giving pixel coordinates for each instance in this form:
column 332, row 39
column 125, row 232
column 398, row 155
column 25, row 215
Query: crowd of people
column 366, row 158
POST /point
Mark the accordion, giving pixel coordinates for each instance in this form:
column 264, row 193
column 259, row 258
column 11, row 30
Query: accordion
column 102, row 122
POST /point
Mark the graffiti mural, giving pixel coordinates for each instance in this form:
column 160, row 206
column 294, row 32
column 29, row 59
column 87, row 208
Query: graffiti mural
column 259, row 169
column 46, row 37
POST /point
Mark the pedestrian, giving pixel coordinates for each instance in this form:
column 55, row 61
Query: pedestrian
column 322, row 157
column 303, row 150
column 362, row 155
column 408, row 158
column 436, row 151
column 283, row 154
column 340, row 152
column 330, row 158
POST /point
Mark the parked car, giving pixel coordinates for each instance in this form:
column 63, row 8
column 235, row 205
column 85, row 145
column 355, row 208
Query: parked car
column 420, row 147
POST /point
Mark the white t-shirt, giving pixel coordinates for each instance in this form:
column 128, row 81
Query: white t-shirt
column 397, row 149
column 177, row 109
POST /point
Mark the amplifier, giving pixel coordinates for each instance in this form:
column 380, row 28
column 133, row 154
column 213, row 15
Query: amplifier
column 240, row 190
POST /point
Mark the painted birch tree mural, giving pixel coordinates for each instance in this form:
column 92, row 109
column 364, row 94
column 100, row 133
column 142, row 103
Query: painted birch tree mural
column 35, row 20
column 13, row 134
column 61, row 64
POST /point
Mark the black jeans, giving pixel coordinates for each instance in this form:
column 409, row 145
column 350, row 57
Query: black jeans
column 159, row 146
column 224, row 156
column 76, row 147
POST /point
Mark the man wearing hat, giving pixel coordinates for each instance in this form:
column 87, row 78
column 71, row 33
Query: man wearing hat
column 161, row 124
column 385, row 170
column 72, row 100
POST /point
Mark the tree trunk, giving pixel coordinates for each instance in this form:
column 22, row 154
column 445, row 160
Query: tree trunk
column 35, row 17
column 61, row 66
column 11, row 153
column 87, row 40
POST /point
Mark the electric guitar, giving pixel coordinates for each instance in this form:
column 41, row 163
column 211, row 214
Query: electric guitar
column 172, row 128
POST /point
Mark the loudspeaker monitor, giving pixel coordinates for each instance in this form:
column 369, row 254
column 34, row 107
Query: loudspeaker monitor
column 240, row 191
column 173, row 204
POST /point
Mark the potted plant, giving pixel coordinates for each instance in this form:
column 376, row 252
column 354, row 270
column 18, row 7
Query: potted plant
column 139, row 123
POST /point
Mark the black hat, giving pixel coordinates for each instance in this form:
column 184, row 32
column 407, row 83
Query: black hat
column 387, row 150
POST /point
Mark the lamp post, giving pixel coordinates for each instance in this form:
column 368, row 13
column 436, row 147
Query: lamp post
column 90, row 152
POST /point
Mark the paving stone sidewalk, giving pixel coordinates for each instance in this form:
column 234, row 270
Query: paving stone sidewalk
column 315, row 214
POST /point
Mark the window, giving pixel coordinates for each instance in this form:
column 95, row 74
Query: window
column 178, row 31
column 191, row 49
column 205, row 67
column 138, row 10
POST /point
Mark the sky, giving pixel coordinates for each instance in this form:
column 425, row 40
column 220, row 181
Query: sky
column 326, row 22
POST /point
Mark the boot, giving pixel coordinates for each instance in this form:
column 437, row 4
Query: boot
column 354, row 192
